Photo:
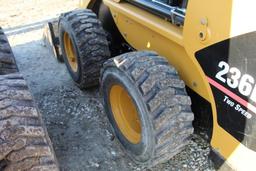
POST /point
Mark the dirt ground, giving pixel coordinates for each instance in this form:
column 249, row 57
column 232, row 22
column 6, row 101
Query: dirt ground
column 75, row 119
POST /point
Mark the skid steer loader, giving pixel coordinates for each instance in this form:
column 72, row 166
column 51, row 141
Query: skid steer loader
column 167, row 67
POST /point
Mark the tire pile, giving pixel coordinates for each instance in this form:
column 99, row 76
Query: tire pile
column 24, row 142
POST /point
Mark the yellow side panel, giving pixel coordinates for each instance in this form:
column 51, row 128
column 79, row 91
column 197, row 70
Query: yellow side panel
column 145, row 31
column 220, row 20
column 212, row 18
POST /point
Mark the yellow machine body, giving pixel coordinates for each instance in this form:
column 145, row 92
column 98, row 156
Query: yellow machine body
column 206, row 23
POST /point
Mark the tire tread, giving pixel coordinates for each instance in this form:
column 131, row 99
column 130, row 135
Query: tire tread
column 7, row 61
column 91, row 43
column 24, row 142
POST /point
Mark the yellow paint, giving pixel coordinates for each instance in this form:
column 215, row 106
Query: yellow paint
column 207, row 22
column 69, row 49
column 125, row 114
column 217, row 28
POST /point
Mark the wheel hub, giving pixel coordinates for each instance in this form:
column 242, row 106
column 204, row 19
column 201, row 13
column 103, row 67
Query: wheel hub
column 125, row 114
column 70, row 52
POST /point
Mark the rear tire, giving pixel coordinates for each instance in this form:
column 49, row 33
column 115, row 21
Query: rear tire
column 89, row 46
column 161, row 102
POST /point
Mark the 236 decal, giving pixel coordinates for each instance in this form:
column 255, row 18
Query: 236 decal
column 233, row 77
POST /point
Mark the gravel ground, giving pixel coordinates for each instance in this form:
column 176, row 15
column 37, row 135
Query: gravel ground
column 75, row 119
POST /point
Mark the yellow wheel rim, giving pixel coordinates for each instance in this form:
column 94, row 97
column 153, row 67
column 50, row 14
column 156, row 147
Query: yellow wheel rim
column 69, row 49
column 125, row 114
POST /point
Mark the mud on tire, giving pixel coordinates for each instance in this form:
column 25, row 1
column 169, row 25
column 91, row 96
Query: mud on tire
column 7, row 61
column 90, row 45
column 161, row 100
column 24, row 142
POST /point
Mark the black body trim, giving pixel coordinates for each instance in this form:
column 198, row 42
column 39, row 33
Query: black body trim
column 161, row 10
column 203, row 114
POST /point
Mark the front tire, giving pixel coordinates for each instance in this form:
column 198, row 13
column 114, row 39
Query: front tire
column 162, row 120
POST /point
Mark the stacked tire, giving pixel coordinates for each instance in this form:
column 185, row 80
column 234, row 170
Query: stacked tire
column 7, row 62
column 24, row 142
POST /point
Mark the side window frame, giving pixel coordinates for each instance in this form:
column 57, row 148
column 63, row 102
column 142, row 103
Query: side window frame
column 174, row 14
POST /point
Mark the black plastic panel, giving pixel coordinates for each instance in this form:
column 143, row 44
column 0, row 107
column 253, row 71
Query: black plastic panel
column 233, row 111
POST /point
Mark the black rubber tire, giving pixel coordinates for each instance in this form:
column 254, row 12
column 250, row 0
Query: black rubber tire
column 90, row 45
column 7, row 61
column 24, row 142
column 161, row 101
